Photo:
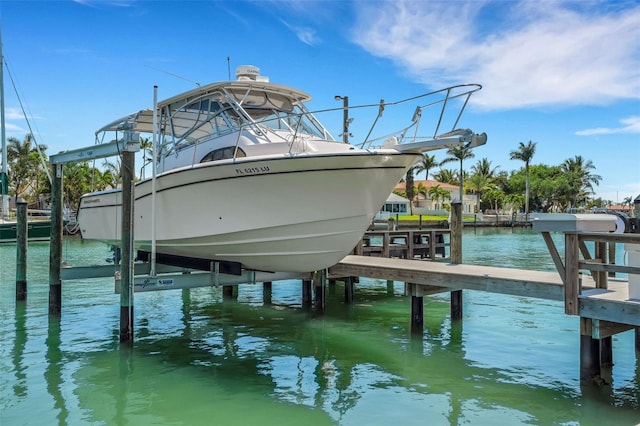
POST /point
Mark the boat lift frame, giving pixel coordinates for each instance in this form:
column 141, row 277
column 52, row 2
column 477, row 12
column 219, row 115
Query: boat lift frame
column 130, row 275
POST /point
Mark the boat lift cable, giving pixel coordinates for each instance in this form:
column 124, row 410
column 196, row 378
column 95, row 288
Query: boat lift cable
column 26, row 117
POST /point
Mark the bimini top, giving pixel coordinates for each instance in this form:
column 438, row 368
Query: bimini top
column 247, row 93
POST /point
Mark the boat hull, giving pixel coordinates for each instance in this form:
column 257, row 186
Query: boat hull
column 293, row 213
column 37, row 230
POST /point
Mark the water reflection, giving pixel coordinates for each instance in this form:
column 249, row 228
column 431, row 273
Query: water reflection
column 20, row 341
column 53, row 371
column 200, row 360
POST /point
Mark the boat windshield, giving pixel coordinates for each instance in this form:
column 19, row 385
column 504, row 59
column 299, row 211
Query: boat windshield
column 295, row 120
column 277, row 111
column 218, row 113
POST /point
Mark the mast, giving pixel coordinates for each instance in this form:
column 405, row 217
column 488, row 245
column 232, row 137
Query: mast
column 4, row 178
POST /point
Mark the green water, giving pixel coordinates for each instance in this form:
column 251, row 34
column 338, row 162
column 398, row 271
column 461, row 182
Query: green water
column 199, row 360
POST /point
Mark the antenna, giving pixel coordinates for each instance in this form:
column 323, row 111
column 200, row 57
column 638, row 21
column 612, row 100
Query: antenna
column 229, row 67
column 174, row 75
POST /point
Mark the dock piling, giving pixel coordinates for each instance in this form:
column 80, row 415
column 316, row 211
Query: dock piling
column 21, row 250
column 306, row 293
column 55, row 245
column 266, row 292
column 126, row 266
column 319, row 278
column 417, row 309
column 348, row 290
column 456, row 256
column 589, row 358
column 229, row 292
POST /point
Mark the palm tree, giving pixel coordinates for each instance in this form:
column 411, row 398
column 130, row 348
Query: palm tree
column 459, row 153
column 114, row 171
column 428, row 162
column 446, row 176
column 147, row 154
column 436, row 193
column 422, row 189
column 479, row 183
column 483, row 167
column 24, row 164
column 627, row 201
column 515, row 200
column 580, row 170
column 525, row 153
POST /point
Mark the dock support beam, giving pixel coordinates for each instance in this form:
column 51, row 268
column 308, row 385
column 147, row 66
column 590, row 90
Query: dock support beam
column 55, row 245
column 126, row 267
column 21, row 250
column 456, row 256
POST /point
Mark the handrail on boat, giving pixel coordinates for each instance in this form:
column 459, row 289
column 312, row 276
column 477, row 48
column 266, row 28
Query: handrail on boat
column 294, row 121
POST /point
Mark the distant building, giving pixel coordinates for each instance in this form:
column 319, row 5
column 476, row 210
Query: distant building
column 395, row 204
column 628, row 209
column 423, row 202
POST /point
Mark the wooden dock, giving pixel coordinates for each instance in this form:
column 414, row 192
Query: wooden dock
column 611, row 304
column 598, row 297
column 405, row 244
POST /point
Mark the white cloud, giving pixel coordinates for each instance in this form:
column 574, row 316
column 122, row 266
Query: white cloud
column 13, row 114
column 629, row 125
column 524, row 53
column 306, row 35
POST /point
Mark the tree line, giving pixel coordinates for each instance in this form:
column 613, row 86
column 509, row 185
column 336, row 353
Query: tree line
column 534, row 187
column 28, row 168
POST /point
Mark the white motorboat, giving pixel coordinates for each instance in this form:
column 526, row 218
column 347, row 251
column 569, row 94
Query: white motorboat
column 247, row 174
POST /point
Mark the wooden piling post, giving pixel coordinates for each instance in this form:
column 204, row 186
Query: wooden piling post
column 126, row 265
column 417, row 309
column 572, row 274
column 332, row 286
column 266, row 292
column 456, row 256
column 229, row 292
column 612, row 257
column 348, row 290
column 21, row 250
column 319, row 278
column 55, row 243
column 306, row 293
column 606, row 351
column 589, row 358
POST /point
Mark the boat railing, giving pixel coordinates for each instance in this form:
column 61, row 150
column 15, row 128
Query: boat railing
column 440, row 109
column 437, row 113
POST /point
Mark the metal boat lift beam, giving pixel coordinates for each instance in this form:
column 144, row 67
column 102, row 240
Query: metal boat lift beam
column 130, row 143
column 175, row 277
column 126, row 147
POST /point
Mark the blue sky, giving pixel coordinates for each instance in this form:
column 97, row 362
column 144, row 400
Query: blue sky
column 564, row 74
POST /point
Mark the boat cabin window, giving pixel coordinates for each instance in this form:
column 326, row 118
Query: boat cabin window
column 190, row 121
column 223, row 154
column 278, row 111
column 201, row 119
